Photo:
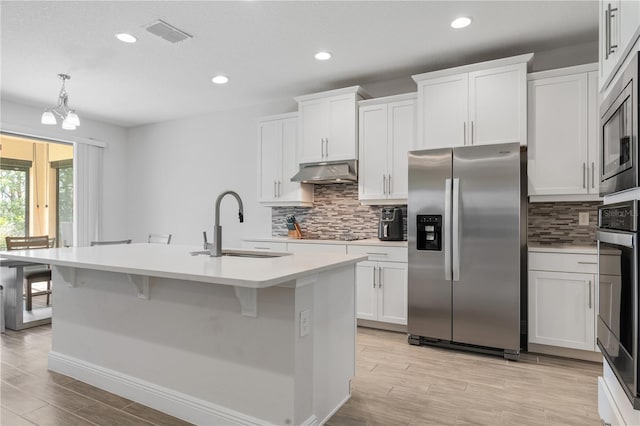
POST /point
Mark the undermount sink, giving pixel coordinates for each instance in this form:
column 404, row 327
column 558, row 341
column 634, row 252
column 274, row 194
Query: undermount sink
column 243, row 253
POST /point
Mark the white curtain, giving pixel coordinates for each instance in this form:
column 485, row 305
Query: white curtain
column 87, row 183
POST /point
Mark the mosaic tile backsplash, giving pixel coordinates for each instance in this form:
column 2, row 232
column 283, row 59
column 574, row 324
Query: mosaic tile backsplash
column 335, row 215
column 558, row 223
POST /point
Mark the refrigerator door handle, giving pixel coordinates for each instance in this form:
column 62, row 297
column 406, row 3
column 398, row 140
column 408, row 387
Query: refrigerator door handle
column 455, row 230
column 447, row 230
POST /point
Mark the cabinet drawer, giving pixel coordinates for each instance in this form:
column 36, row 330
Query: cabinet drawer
column 316, row 248
column 564, row 262
column 264, row 245
column 381, row 253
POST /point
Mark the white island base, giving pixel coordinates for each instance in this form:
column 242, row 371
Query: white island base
column 185, row 347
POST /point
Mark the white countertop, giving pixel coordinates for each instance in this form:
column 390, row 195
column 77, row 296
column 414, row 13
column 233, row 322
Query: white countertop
column 174, row 261
column 367, row 242
column 562, row 248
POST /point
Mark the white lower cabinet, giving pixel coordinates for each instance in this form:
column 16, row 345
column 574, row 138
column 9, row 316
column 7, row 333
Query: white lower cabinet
column 381, row 291
column 562, row 303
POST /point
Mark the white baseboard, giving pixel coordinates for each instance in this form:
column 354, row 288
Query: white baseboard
column 168, row 401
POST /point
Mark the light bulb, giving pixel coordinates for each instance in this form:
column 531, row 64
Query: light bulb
column 67, row 124
column 73, row 118
column 220, row 79
column 323, row 56
column 48, row 118
column 461, row 22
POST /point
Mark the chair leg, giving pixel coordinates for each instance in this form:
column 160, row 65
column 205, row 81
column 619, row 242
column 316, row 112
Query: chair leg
column 29, row 297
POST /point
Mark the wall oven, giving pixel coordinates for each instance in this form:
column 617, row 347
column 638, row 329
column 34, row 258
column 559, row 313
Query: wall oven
column 619, row 134
column 617, row 329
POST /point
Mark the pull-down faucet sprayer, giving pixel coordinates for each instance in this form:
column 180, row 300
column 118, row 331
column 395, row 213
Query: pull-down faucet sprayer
column 215, row 248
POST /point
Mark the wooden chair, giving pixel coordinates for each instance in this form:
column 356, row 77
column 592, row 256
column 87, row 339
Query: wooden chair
column 159, row 239
column 37, row 275
column 109, row 243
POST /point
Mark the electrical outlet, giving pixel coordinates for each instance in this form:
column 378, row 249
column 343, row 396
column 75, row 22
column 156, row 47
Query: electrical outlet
column 305, row 322
column 583, row 219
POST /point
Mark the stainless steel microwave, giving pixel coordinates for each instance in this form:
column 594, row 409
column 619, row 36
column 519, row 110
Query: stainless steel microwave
column 619, row 168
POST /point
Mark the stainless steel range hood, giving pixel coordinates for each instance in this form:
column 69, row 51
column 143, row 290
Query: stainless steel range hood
column 327, row 172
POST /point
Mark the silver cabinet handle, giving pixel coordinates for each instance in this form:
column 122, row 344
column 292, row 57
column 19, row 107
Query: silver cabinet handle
column 587, row 263
column 589, row 294
column 261, row 248
column 274, row 189
column 326, row 150
column 610, row 9
column 377, row 254
column 389, row 184
column 473, row 137
column 456, row 230
column 323, row 149
column 607, row 31
column 446, row 230
column 373, row 277
column 464, row 133
column 384, row 184
column 593, row 175
column 379, row 276
column 584, row 175
column 279, row 189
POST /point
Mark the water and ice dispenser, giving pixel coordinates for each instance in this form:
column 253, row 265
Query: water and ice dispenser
column 429, row 232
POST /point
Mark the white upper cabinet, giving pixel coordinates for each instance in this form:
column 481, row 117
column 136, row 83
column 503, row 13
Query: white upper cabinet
column 329, row 125
column 563, row 123
column 387, row 133
column 477, row 104
column 619, row 29
column 277, row 163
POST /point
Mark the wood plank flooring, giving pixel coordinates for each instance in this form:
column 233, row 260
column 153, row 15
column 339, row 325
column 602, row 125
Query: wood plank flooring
column 395, row 384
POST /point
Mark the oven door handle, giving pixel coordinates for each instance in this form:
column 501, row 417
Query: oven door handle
column 616, row 238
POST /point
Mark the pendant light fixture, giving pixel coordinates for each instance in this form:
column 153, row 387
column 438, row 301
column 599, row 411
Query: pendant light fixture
column 70, row 119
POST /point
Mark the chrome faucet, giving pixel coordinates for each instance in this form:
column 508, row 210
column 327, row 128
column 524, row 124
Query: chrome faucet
column 215, row 248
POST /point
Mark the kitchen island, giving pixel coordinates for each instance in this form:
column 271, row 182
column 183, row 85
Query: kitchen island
column 227, row 340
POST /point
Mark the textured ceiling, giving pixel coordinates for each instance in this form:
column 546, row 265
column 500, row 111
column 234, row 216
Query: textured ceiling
column 266, row 48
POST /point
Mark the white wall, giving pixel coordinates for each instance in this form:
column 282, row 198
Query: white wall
column 114, row 224
column 178, row 168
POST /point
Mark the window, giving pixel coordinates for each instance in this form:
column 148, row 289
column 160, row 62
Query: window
column 14, row 198
column 64, row 201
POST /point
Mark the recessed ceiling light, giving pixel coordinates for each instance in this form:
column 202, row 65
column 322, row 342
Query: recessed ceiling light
column 127, row 38
column 461, row 22
column 323, row 56
column 220, row 79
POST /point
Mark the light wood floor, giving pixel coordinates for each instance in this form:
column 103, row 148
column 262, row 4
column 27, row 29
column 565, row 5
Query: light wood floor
column 395, row 384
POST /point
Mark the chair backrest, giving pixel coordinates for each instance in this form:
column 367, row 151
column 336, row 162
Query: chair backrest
column 23, row 243
column 109, row 243
column 159, row 238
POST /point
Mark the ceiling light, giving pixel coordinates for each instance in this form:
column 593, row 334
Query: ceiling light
column 70, row 119
column 323, row 56
column 127, row 38
column 220, row 79
column 461, row 22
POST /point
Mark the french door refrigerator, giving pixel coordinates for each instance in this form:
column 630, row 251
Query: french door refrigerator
column 467, row 248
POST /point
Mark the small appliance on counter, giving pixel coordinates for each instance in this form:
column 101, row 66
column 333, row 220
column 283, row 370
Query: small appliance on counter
column 293, row 227
column 391, row 225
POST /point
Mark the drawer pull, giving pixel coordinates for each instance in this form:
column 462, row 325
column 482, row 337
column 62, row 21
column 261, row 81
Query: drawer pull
column 262, row 248
column 378, row 254
column 587, row 263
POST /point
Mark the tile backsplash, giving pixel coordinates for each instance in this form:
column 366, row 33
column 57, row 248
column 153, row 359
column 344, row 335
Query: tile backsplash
column 558, row 222
column 336, row 213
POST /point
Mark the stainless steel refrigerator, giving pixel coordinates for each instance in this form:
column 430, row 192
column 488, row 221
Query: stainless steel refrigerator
column 467, row 248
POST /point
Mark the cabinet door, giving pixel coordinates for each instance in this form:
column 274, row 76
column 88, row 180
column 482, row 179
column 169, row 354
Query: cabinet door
column 498, row 105
column 629, row 13
column 401, row 138
column 392, row 292
column 341, row 135
column 287, row 190
column 593, row 124
column 366, row 291
column 609, row 30
column 269, row 140
column 443, row 112
column 313, row 125
column 561, row 309
column 373, row 152
column 557, row 152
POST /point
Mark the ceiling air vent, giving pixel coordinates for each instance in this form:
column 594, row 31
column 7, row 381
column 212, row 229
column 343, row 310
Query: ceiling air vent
column 167, row 32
